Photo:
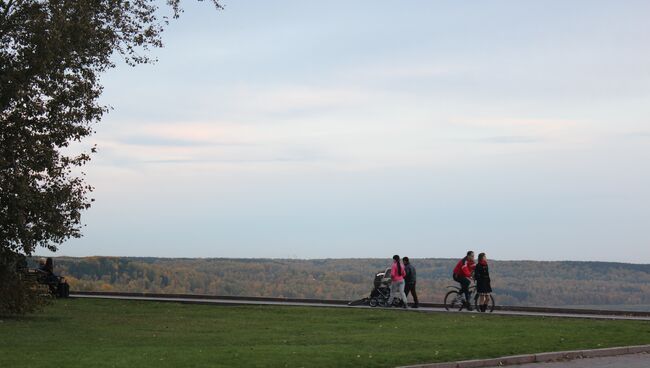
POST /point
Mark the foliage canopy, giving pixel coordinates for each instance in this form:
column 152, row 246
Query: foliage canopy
column 52, row 53
column 51, row 56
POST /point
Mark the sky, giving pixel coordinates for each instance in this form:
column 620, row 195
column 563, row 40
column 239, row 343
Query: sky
column 330, row 129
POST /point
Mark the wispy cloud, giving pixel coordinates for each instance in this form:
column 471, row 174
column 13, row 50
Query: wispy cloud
column 403, row 69
column 511, row 139
column 151, row 140
column 638, row 135
column 517, row 122
column 231, row 161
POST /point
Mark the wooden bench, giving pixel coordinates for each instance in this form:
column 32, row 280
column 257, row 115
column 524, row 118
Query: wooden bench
column 56, row 285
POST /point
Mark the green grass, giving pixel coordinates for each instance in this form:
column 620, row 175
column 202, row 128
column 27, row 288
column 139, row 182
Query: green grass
column 111, row 333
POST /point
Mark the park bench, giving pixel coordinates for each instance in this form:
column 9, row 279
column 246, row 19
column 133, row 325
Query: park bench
column 55, row 285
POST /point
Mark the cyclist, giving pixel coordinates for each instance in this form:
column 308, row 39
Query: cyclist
column 463, row 275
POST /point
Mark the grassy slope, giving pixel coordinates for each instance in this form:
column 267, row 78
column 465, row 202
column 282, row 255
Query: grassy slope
column 109, row 333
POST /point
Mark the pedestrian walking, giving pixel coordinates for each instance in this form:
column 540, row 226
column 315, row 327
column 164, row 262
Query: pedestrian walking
column 409, row 281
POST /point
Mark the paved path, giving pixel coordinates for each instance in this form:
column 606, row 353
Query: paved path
column 285, row 303
column 621, row 361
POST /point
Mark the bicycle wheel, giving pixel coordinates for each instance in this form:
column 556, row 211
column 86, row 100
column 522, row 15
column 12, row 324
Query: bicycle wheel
column 490, row 305
column 453, row 301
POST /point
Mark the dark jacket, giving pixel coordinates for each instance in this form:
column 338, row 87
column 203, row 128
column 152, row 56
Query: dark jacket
column 482, row 276
column 481, row 273
column 410, row 273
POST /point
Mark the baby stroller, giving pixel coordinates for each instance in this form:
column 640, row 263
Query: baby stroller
column 381, row 289
column 380, row 292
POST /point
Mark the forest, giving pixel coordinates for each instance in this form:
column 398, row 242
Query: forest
column 525, row 283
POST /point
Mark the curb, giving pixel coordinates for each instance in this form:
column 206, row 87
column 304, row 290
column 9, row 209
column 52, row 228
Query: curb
column 498, row 308
column 538, row 358
column 547, row 310
column 244, row 300
column 210, row 297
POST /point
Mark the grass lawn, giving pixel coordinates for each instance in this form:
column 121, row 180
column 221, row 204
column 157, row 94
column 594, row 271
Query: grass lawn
column 111, row 333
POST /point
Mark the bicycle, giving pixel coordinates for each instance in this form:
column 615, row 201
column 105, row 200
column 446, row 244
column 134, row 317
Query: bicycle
column 455, row 299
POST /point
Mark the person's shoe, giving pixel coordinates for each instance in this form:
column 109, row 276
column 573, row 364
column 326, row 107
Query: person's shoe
column 415, row 306
column 483, row 308
column 468, row 306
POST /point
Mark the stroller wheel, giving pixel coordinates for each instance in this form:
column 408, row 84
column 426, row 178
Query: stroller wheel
column 373, row 302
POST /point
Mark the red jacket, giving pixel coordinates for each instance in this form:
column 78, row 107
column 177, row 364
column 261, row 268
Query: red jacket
column 464, row 268
column 397, row 276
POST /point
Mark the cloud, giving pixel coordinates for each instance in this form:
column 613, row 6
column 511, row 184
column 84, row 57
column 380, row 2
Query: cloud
column 511, row 139
column 404, row 70
column 283, row 99
column 231, row 161
column 152, row 140
column 204, row 143
column 517, row 122
column 639, row 135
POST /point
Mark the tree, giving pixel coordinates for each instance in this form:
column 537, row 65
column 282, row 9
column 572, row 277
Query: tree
column 19, row 293
column 51, row 56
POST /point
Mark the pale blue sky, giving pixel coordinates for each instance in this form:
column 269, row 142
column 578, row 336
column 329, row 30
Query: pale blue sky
column 367, row 128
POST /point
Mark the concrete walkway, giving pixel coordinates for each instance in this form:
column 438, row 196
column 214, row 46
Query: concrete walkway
column 302, row 304
column 622, row 361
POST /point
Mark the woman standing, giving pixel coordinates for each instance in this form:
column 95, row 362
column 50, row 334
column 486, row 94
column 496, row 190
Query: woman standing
column 483, row 287
column 397, row 274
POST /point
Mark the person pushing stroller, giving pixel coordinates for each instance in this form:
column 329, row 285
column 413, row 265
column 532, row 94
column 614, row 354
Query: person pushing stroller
column 397, row 274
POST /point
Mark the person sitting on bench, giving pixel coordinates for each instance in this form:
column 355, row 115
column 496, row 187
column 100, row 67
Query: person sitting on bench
column 46, row 268
column 41, row 265
column 49, row 266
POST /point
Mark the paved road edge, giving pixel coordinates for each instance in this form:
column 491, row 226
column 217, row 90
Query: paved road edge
column 595, row 312
column 539, row 358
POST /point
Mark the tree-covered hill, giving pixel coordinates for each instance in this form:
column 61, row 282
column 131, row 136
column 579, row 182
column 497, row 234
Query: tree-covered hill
column 515, row 282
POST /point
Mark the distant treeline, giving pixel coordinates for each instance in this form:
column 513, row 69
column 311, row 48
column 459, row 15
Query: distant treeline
column 514, row 282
